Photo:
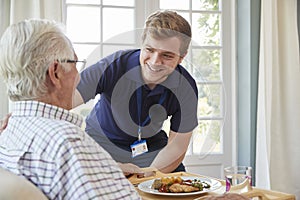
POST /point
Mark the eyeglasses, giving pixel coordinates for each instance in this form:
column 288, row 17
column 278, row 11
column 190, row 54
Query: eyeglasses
column 79, row 67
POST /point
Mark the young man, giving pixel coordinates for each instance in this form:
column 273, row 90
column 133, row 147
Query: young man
column 139, row 90
column 43, row 140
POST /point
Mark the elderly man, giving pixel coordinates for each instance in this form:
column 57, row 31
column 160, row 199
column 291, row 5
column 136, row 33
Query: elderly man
column 43, row 141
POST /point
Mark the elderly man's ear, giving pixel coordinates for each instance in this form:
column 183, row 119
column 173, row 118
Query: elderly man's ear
column 54, row 74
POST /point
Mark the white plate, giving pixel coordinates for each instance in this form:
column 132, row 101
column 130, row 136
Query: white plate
column 214, row 185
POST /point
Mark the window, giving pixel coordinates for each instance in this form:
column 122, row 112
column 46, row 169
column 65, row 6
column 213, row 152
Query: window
column 100, row 27
column 96, row 27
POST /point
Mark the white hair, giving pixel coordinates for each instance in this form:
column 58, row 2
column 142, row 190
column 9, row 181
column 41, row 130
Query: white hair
column 26, row 51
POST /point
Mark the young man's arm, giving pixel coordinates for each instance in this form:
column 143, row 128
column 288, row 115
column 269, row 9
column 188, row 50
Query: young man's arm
column 173, row 153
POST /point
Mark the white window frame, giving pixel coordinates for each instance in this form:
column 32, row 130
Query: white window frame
column 213, row 164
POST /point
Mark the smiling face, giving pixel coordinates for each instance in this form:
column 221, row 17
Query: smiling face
column 158, row 59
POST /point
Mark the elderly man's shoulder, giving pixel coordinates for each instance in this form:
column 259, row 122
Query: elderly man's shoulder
column 64, row 130
column 50, row 133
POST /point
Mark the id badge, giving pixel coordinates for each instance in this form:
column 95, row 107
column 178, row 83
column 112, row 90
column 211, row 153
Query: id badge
column 139, row 148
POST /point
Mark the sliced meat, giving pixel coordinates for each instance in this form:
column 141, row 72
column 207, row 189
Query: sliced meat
column 177, row 188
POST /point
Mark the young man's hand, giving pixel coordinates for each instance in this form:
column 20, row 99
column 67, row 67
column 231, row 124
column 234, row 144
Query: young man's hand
column 129, row 168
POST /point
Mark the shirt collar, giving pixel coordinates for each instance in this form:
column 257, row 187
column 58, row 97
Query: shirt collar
column 40, row 109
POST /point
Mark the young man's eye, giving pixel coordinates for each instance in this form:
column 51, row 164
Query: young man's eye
column 149, row 50
column 168, row 56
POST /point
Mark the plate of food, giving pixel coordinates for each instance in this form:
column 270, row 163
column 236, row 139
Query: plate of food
column 179, row 186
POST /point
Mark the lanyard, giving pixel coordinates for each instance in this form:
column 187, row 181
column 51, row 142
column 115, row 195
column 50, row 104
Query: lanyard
column 139, row 107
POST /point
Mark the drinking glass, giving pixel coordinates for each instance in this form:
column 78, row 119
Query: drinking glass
column 238, row 179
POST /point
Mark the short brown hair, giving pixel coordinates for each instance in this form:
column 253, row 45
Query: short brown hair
column 165, row 24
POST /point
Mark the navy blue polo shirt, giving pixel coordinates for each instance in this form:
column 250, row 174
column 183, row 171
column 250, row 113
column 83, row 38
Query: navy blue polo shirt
column 117, row 79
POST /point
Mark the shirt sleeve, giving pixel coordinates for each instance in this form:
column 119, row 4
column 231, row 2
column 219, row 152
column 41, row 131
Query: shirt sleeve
column 86, row 171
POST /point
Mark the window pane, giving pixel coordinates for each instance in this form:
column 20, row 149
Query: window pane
column 119, row 2
column 83, row 27
column 209, row 100
column 109, row 49
column 206, row 65
column 94, row 2
column 83, row 51
column 206, row 5
column 117, row 21
column 92, row 53
column 174, row 4
column 186, row 16
column 127, row 37
column 206, row 29
column 206, row 137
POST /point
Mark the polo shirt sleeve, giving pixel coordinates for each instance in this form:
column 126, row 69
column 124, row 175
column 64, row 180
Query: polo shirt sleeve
column 89, row 80
column 185, row 118
column 99, row 77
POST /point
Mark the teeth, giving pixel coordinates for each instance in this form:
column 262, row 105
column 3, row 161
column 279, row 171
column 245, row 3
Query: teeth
column 152, row 69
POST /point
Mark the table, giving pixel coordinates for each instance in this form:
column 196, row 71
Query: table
column 254, row 193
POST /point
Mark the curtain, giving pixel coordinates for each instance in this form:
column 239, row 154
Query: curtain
column 48, row 9
column 278, row 116
column 4, row 15
column 13, row 11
